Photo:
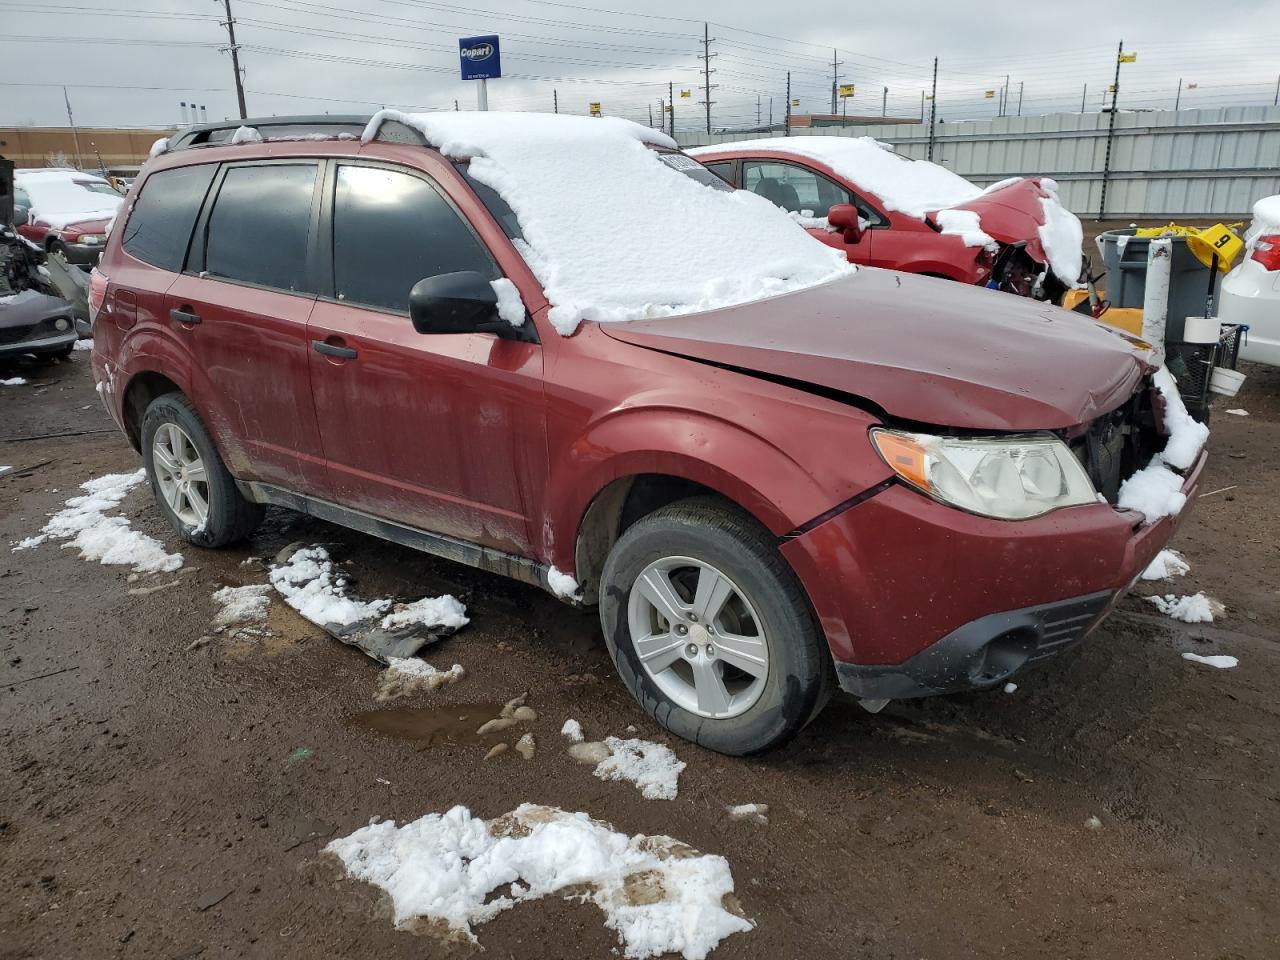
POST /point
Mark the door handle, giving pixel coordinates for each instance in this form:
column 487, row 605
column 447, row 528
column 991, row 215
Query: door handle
column 184, row 315
column 333, row 350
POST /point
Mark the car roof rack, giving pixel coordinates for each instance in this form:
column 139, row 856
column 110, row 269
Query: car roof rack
column 269, row 128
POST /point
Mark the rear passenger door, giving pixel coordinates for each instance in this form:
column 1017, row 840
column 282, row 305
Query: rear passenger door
column 242, row 307
column 442, row 432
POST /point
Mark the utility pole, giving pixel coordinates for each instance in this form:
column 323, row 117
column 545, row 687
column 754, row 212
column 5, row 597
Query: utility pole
column 884, row 103
column 671, row 102
column 835, row 77
column 788, row 127
column 455, row 106
column 1111, row 132
column 235, row 58
column 651, row 112
column 770, row 113
column 75, row 134
column 933, row 107
column 1020, row 85
column 555, row 100
column 1276, row 101
column 1083, row 95
column 1177, row 101
column 707, row 71
column 922, row 96
column 1004, row 104
column 757, row 110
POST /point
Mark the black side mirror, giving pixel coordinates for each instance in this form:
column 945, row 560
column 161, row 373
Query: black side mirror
column 844, row 217
column 461, row 302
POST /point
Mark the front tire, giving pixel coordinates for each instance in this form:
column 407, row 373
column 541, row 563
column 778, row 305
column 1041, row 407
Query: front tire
column 196, row 492
column 710, row 629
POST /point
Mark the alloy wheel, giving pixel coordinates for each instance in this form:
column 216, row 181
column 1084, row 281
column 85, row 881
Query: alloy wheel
column 698, row 637
column 180, row 474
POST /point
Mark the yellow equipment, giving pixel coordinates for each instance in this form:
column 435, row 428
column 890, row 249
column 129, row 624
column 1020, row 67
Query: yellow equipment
column 1203, row 243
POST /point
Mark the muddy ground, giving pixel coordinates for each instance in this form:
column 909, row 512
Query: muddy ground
column 154, row 801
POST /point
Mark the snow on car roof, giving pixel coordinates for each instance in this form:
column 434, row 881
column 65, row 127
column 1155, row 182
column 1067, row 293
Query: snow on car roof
column 612, row 231
column 913, row 187
column 60, row 197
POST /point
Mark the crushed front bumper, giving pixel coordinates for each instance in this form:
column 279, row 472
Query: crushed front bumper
column 917, row 598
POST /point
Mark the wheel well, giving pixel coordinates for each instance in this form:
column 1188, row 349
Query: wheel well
column 142, row 389
column 614, row 509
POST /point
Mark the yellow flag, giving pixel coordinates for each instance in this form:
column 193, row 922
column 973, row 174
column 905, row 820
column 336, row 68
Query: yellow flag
column 1128, row 58
column 595, row 109
column 846, row 89
column 1192, row 86
column 990, row 94
column 686, row 94
column 795, row 103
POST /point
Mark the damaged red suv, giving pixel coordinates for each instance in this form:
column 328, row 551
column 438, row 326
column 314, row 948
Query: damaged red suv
column 519, row 342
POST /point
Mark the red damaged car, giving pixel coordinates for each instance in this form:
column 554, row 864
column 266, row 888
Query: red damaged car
column 885, row 210
column 774, row 472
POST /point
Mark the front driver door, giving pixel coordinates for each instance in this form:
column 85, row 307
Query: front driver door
column 797, row 189
column 443, row 432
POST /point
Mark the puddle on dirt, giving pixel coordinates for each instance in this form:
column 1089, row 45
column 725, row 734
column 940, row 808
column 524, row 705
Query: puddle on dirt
column 456, row 723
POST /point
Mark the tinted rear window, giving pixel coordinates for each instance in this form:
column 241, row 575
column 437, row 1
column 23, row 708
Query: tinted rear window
column 260, row 225
column 159, row 228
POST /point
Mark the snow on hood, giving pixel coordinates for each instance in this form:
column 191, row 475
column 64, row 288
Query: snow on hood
column 614, row 233
column 59, row 199
column 919, row 188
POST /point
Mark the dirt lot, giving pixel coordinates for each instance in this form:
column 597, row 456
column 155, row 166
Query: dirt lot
column 154, row 803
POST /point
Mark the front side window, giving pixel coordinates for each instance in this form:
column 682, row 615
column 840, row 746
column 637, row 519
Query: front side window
column 159, row 228
column 260, row 225
column 392, row 229
column 723, row 170
column 793, row 188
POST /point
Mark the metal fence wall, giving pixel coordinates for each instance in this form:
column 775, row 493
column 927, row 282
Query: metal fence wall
column 1163, row 164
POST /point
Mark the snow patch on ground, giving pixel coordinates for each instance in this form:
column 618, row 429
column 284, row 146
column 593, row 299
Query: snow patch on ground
column 406, row 675
column 657, row 894
column 108, row 540
column 652, row 767
column 1166, row 565
column 308, row 583
column 83, row 344
column 1156, row 489
column 12, row 382
column 562, row 584
column 755, row 812
column 1220, row 661
column 1238, row 413
column 614, row 233
column 442, row 611
column 242, row 604
column 510, row 306
column 573, row 730
column 1195, row 608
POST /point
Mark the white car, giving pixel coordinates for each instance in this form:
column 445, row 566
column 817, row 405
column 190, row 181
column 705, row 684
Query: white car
column 1251, row 292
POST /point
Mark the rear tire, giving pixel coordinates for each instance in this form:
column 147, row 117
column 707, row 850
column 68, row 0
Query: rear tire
column 750, row 671
column 194, row 489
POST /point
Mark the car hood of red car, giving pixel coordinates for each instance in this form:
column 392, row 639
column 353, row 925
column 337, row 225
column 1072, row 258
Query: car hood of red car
column 919, row 348
column 87, row 226
column 1011, row 214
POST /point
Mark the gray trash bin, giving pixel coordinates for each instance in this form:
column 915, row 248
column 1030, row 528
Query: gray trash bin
column 1125, row 258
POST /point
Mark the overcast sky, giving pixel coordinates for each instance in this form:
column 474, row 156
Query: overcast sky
column 136, row 59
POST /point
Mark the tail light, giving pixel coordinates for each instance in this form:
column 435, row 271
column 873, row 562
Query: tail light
column 1266, row 250
column 97, row 294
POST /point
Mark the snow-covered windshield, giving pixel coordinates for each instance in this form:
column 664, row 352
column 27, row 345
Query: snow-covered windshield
column 614, row 232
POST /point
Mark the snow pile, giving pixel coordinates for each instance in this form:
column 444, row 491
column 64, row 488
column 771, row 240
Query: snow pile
column 309, row 584
column 12, row 382
column 242, row 604
column 1196, row 608
column 1061, row 236
column 159, row 147
column 442, row 611
column 755, row 812
column 1166, row 565
column 614, row 233
column 966, row 225
column 510, row 306
column 1238, row 413
column 562, row 584
column 573, row 730
column 1156, row 489
column 108, row 540
column 83, row 344
column 246, row 135
column 1221, row 661
column 650, row 766
column 657, row 894
column 406, row 675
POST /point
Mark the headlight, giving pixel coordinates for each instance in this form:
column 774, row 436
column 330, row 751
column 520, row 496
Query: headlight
column 1011, row 478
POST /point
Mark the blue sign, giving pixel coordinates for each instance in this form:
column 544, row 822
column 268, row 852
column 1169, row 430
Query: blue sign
column 480, row 58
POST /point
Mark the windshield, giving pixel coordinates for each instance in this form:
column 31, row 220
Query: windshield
column 93, row 186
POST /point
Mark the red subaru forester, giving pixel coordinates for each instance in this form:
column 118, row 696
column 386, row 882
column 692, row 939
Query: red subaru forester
column 895, row 484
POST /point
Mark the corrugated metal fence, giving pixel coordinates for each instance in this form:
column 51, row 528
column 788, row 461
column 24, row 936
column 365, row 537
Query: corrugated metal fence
column 1163, row 164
